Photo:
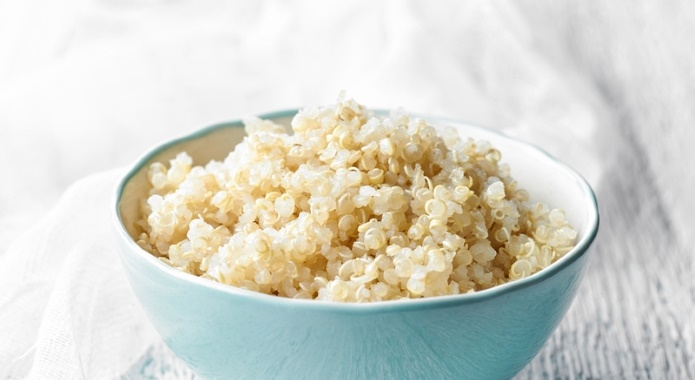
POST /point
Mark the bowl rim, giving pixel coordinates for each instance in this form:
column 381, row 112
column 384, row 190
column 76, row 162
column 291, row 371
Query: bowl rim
column 140, row 254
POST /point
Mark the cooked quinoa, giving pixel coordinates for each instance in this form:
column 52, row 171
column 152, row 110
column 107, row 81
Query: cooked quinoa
column 350, row 207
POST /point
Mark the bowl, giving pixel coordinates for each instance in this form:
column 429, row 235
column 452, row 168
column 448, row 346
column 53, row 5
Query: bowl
column 226, row 332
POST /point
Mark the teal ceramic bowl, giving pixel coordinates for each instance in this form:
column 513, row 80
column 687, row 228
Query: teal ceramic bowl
column 227, row 333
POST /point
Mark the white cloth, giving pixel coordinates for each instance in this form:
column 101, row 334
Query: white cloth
column 89, row 85
column 66, row 308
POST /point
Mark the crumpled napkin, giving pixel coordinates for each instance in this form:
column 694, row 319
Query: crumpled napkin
column 66, row 308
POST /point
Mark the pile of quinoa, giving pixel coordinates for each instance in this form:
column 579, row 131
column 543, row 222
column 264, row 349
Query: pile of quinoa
column 350, row 207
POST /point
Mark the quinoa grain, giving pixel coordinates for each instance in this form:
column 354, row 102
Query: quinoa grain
column 353, row 208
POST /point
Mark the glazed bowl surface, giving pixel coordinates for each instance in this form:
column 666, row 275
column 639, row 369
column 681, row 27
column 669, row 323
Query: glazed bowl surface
column 225, row 332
